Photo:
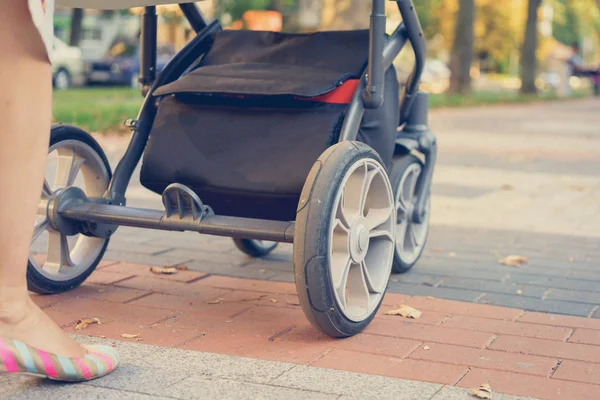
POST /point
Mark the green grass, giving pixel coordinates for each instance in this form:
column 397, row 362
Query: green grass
column 96, row 109
column 105, row 109
column 490, row 98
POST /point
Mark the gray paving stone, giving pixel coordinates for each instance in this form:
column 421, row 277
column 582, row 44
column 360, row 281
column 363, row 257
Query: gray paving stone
column 456, row 393
column 273, row 265
column 217, row 365
column 137, row 376
column 218, row 388
column 532, row 304
column 549, row 281
column 13, row 384
column 414, row 277
column 352, row 384
column 493, row 287
column 574, row 296
column 460, row 191
column 576, row 273
column 458, row 270
column 58, row 391
column 443, row 293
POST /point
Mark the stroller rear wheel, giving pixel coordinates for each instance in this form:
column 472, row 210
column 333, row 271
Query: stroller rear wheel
column 344, row 239
column 410, row 236
column 255, row 248
column 59, row 262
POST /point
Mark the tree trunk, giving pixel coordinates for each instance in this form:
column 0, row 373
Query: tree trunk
column 462, row 49
column 528, row 53
column 344, row 15
column 76, row 25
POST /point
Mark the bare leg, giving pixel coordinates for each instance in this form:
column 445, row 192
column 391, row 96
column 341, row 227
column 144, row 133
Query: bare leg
column 25, row 115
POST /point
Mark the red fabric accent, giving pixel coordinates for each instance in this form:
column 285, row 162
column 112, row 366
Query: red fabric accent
column 340, row 95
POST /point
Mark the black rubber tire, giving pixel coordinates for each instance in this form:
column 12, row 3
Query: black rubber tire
column 399, row 166
column 37, row 282
column 253, row 248
column 311, row 240
column 69, row 79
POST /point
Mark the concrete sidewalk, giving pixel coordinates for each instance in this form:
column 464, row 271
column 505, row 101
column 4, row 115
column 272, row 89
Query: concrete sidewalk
column 151, row 372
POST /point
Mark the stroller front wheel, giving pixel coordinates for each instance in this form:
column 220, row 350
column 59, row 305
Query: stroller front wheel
column 59, row 262
column 410, row 236
column 344, row 239
column 255, row 248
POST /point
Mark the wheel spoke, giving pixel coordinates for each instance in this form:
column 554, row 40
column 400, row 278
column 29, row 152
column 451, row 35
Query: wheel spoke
column 381, row 234
column 38, row 229
column 411, row 236
column 58, row 255
column 341, row 215
column 358, row 291
column 408, row 187
column 378, row 216
column 368, row 279
column 67, row 168
column 352, row 196
column 46, row 189
column 340, row 284
column 340, row 264
column 366, row 186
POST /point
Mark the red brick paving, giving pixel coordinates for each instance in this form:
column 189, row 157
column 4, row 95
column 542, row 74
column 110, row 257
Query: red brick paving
column 454, row 343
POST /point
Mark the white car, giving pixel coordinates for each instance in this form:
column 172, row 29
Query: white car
column 67, row 65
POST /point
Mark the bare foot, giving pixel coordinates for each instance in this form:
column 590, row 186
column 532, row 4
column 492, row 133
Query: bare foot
column 24, row 321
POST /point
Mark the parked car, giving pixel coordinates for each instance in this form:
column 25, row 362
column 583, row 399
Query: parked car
column 435, row 77
column 67, row 65
column 121, row 64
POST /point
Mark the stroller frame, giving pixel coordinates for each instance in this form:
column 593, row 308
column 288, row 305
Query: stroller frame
column 72, row 211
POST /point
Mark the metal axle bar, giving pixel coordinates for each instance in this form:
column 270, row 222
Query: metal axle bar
column 236, row 227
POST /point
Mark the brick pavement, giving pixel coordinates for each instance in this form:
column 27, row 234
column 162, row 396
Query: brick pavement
column 453, row 343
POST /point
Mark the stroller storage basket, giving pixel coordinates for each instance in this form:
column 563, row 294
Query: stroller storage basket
column 244, row 128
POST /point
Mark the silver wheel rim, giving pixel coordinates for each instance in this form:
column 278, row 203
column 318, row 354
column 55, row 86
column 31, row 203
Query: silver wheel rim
column 61, row 82
column 67, row 257
column 410, row 236
column 361, row 243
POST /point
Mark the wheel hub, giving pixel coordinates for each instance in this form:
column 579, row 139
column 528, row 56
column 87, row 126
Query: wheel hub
column 359, row 240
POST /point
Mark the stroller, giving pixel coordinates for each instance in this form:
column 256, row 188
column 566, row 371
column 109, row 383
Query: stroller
column 263, row 137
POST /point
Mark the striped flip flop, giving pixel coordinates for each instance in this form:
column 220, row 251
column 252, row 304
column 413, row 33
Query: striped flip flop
column 19, row 358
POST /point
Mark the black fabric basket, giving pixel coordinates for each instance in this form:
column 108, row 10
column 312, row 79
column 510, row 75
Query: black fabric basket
column 244, row 128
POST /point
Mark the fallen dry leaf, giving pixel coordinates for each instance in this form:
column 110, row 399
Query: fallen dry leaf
column 83, row 323
column 430, row 297
column 182, row 268
column 426, row 348
column 452, row 254
column 482, row 392
column 293, row 303
column 571, row 259
column 513, row 261
column 163, row 270
column 262, row 296
column 262, row 270
column 406, row 312
column 578, row 188
column 129, row 336
column 216, row 301
column 519, row 291
column 273, row 300
column 507, row 187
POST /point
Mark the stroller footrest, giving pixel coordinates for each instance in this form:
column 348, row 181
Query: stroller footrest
column 181, row 201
